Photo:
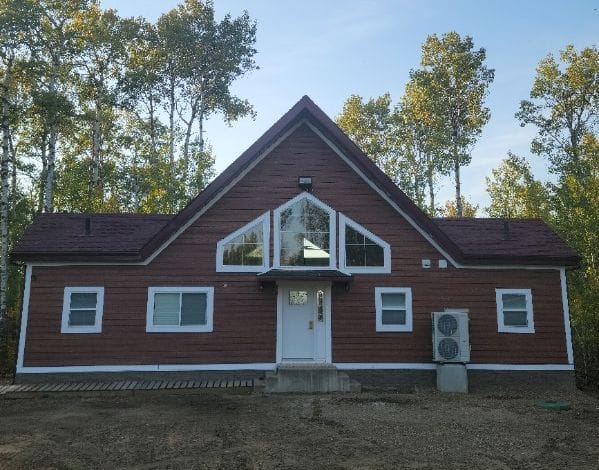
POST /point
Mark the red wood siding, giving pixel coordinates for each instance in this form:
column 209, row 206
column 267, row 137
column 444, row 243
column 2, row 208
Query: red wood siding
column 245, row 317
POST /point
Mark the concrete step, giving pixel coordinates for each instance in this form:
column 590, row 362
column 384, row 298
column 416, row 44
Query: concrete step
column 308, row 378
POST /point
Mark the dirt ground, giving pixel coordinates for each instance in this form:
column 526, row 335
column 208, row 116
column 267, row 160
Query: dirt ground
column 235, row 431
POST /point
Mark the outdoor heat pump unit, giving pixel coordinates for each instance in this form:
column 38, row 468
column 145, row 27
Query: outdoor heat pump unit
column 450, row 337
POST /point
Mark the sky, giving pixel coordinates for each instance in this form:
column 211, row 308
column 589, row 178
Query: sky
column 332, row 49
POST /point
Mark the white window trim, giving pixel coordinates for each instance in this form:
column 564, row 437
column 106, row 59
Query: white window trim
column 277, row 233
column 264, row 219
column 378, row 302
column 207, row 328
column 501, row 327
column 386, row 268
column 66, row 310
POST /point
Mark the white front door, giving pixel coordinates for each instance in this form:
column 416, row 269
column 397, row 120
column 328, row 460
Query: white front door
column 304, row 323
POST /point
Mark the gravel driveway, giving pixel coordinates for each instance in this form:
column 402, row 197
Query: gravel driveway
column 236, row 431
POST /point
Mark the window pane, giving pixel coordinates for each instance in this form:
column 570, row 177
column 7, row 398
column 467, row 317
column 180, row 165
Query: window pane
column 166, row 309
column 298, row 297
column 252, row 255
column 374, row 256
column 245, row 249
column 354, row 255
column 394, row 317
column 193, row 309
column 353, row 237
column 515, row 318
column 304, row 235
column 233, row 254
column 304, row 249
column 82, row 317
column 394, row 300
column 514, row 301
column 83, row 300
column 254, row 234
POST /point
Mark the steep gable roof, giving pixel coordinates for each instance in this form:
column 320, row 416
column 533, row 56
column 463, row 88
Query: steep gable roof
column 158, row 232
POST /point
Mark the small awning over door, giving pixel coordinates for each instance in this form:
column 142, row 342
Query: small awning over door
column 330, row 275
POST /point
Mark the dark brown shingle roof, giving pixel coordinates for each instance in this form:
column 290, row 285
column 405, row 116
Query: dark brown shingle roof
column 131, row 238
column 62, row 237
column 509, row 241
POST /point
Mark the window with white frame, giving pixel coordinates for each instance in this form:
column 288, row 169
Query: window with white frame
column 179, row 309
column 246, row 249
column 393, row 308
column 304, row 234
column 514, row 311
column 82, row 310
column 361, row 251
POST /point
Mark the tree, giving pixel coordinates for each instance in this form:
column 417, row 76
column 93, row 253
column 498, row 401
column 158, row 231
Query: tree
column 203, row 58
column 101, row 40
column 457, row 81
column 53, row 48
column 514, row 191
column 420, row 130
column 469, row 210
column 15, row 19
column 564, row 106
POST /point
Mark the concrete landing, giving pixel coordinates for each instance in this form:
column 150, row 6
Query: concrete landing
column 308, row 378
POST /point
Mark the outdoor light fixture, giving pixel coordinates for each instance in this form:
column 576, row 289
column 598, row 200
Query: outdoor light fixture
column 305, row 182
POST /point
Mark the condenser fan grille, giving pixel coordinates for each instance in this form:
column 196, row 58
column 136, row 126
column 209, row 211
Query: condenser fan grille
column 447, row 325
column 448, row 348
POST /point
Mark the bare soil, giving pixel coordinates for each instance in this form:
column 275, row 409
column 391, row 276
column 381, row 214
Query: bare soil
column 147, row 430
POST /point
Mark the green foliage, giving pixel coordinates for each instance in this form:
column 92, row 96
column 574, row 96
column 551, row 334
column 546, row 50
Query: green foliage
column 469, row 210
column 456, row 81
column 514, row 191
column 115, row 105
column 564, row 106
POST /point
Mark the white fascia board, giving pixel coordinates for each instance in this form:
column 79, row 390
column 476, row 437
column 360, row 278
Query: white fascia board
column 433, row 366
column 266, row 366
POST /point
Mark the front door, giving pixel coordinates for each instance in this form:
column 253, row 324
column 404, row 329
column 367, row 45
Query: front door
column 304, row 323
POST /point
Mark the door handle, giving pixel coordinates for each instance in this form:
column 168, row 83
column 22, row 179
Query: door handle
column 311, row 325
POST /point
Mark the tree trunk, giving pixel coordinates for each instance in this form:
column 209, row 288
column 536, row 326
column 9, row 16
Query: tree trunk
column 44, row 174
column 458, row 194
column 189, row 124
column 171, row 123
column 97, row 144
column 53, row 129
column 430, row 181
column 4, row 177
column 153, row 130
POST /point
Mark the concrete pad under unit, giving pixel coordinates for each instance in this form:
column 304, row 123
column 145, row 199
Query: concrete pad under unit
column 452, row 378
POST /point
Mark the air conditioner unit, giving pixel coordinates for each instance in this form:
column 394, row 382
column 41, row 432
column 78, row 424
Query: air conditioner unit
column 450, row 337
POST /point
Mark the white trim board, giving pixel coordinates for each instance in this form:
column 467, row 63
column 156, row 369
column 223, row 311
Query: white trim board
column 566, row 310
column 264, row 220
column 385, row 269
column 433, row 366
column 266, row 366
column 24, row 316
column 277, row 232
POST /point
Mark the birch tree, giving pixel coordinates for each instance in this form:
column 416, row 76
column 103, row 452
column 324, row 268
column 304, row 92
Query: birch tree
column 457, row 81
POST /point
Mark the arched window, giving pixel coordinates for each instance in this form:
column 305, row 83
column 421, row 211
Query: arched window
column 304, row 234
column 361, row 251
column 246, row 249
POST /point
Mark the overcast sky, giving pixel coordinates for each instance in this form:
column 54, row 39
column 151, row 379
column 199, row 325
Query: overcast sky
column 332, row 49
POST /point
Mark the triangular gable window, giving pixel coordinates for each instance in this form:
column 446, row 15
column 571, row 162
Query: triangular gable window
column 246, row 249
column 361, row 251
column 304, row 234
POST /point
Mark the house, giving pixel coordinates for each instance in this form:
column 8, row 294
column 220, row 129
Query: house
column 301, row 251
